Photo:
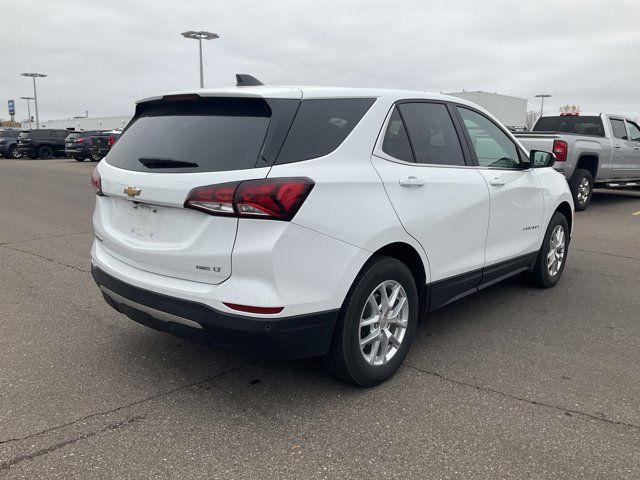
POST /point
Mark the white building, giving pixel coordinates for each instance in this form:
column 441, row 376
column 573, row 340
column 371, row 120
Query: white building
column 512, row 111
column 85, row 123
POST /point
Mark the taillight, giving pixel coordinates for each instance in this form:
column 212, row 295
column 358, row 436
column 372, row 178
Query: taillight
column 111, row 140
column 96, row 182
column 269, row 198
column 560, row 150
column 79, row 140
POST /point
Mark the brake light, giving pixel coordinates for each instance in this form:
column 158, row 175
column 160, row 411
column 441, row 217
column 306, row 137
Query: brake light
column 111, row 140
column 79, row 140
column 560, row 150
column 269, row 198
column 252, row 309
column 96, row 182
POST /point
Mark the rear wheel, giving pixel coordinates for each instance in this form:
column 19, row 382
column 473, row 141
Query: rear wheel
column 95, row 157
column 582, row 188
column 553, row 253
column 45, row 152
column 14, row 153
column 79, row 158
column 377, row 324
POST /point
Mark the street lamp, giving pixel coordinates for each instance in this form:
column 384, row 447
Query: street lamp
column 28, row 99
column 35, row 94
column 542, row 96
column 201, row 35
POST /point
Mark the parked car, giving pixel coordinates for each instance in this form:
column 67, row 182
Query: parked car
column 101, row 143
column 591, row 151
column 77, row 146
column 298, row 222
column 44, row 143
column 9, row 143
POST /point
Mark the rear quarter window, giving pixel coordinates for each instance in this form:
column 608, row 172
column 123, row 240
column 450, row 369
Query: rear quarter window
column 320, row 126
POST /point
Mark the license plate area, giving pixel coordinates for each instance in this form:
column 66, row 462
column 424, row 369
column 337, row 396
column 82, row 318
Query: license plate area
column 142, row 219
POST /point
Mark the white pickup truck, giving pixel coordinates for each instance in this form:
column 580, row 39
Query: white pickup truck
column 591, row 151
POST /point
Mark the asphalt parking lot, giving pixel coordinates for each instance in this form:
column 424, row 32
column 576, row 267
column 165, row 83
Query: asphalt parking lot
column 513, row 382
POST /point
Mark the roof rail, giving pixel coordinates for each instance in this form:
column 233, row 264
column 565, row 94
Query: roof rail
column 244, row 80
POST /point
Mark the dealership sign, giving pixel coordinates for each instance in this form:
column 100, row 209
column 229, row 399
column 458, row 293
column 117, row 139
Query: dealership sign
column 12, row 110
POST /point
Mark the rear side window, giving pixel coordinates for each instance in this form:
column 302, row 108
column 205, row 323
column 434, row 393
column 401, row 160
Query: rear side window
column 619, row 130
column 202, row 135
column 634, row 131
column 320, row 126
column 396, row 142
column 570, row 124
column 432, row 134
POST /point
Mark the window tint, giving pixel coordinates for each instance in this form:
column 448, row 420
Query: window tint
column 492, row 146
column 9, row 133
column 320, row 126
column 619, row 130
column 570, row 124
column 634, row 131
column 217, row 134
column 396, row 142
column 432, row 134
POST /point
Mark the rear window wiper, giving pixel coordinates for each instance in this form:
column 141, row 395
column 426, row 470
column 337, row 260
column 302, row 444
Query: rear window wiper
column 159, row 162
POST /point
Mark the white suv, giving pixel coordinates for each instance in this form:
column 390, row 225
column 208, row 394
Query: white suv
column 295, row 222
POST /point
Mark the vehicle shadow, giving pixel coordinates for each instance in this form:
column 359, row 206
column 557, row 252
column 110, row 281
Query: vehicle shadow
column 604, row 197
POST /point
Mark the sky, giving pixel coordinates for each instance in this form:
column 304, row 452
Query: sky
column 102, row 56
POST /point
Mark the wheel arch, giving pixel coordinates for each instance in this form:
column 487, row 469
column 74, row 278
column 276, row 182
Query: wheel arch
column 589, row 161
column 565, row 209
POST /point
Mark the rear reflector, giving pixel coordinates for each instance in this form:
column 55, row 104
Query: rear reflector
column 269, row 198
column 560, row 150
column 96, row 181
column 110, row 141
column 251, row 309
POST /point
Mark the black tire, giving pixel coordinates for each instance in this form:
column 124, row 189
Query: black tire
column 95, row 157
column 581, row 179
column 14, row 153
column 345, row 359
column 541, row 276
column 45, row 152
column 79, row 158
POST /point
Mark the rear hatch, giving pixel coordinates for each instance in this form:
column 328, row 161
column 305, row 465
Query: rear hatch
column 172, row 146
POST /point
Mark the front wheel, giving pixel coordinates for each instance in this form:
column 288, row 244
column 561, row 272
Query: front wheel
column 377, row 324
column 582, row 188
column 553, row 253
column 14, row 153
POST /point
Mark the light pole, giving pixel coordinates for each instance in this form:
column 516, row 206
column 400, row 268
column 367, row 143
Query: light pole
column 200, row 35
column 35, row 93
column 542, row 96
column 28, row 99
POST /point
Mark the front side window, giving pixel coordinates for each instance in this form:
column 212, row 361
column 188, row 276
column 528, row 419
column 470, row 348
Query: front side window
column 432, row 134
column 634, row 131
column 492, row 146
column 619, row 130
column 396, row 142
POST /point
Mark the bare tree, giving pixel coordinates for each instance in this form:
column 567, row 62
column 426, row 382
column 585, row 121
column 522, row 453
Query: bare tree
column 532, row 116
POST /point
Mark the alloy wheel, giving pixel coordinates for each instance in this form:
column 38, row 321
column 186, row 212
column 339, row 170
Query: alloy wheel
column 583, row 190
column 555, row 255
column 383, row 323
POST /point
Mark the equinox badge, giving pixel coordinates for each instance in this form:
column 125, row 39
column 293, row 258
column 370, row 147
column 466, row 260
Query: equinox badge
column 132, row 191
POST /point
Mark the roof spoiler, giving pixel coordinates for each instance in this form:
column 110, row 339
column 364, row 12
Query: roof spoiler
column 244, row 80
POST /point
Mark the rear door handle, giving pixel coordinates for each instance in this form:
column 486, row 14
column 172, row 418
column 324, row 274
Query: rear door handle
column 411, row 182
column 617, row 146
column 497, row 182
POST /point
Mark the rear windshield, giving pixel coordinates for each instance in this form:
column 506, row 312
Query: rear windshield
column 200, row 135
column 570, row 124
column 218, row 134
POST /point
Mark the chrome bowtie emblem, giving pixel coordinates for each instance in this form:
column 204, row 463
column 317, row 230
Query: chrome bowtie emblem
column 132, row 191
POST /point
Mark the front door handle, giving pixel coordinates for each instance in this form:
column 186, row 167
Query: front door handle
column 617, row 146
column 411, row 182
column 497, row 182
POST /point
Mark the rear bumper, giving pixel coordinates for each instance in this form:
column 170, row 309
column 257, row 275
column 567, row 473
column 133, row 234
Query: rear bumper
column 284, row 337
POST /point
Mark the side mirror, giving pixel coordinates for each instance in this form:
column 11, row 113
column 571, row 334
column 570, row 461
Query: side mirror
column 541, row 159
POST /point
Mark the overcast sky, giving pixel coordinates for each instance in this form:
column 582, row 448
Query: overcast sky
column 101, row 56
